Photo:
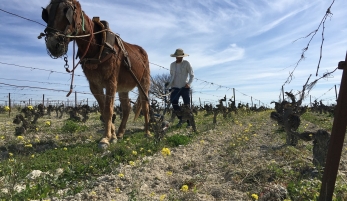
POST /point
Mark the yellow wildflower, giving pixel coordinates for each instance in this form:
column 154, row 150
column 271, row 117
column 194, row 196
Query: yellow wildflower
column 20, row 137
column 28, row 145
column 132, row 163
column 134, row 153
column 30, row 107
column 33, row 156
column 37, row 129
column 166, row 152
column 10, row 154
column 7, row 108
column 184, row 188
column 37, row 140
column 162, row 197
column 57, row 137
column 65, row 149
column 2, row 137
column 254, row 196
column 152, row 194
column 121, row 175
column 169, row 173
column 48, row 123
column 117, row 190
column 93, row 193
column 141, row 149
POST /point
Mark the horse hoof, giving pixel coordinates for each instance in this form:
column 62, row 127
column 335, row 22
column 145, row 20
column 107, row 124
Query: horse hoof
column 102, row 146
column 113, row 140
column 104, row 143
column 148, row 135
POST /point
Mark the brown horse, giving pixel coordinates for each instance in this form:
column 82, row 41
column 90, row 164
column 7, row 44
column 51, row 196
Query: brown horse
column 107, row 61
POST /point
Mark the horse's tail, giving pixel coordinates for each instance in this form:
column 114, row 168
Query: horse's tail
column 138, row 108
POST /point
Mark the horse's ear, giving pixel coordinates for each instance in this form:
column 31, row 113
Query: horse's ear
column 45, row 15
column 69, row 15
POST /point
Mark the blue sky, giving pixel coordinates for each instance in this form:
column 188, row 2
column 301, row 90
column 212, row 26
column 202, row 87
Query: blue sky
column 247, row 45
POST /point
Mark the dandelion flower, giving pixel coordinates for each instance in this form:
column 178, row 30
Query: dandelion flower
column 166, row 152
column 184, row 188
column 37, row 129
column 134, row 153
column 33, row 156
column 28, row 145
column 121, row 175
column 254, row 196
column 48, row 123
column 117, row 190
column 30, row 107
column 65, row 149
column 10, row 154
column 149, row 151
column 141, row 149
column 57, row 137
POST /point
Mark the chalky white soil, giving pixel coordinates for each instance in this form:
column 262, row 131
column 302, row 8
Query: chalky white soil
column 207, row 166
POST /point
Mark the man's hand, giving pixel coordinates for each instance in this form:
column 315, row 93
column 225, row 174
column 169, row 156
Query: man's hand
column 187, row 86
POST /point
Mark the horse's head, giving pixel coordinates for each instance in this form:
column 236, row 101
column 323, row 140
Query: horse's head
column 63, row 18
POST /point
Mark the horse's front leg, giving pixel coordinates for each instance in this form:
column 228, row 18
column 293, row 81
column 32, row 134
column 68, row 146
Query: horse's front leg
column 125, row 104
column 109, row 134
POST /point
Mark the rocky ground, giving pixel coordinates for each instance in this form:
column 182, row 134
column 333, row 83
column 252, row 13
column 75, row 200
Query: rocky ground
column 210, row 167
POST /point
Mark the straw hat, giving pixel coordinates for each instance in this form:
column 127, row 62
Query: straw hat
column 179, row 53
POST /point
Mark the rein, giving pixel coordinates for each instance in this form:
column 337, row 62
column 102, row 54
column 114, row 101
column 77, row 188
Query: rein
column 81, row 58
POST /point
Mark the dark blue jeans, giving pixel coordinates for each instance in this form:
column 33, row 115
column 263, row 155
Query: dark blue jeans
column 175, row 96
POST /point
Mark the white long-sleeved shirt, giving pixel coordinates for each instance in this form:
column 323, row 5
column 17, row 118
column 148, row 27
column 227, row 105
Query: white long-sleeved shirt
column 179, row 74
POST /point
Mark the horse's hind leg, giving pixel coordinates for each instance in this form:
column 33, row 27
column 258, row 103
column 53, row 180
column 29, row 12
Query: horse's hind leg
column 125, row 104
column 145, row 110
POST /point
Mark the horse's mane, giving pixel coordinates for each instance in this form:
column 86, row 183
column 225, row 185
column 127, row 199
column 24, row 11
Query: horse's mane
column 57, row 1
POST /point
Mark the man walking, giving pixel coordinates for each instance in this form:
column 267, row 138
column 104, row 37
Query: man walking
column 179, row 83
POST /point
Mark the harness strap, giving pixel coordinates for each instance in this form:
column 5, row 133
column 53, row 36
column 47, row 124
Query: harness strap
column 128, row 63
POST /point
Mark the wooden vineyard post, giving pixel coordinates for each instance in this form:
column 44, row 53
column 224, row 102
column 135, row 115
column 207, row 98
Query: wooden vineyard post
column 9, row 104
column 336, row 139
column 234, row 95
column 282, row 93
column 75, row 99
